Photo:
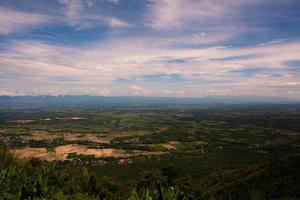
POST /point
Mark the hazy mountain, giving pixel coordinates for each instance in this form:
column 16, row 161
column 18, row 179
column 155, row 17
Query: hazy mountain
column 38, row 101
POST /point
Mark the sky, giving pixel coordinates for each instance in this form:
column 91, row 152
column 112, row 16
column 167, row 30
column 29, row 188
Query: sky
column 174, row 48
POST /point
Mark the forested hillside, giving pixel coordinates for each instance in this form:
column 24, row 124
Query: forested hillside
column 34, row 179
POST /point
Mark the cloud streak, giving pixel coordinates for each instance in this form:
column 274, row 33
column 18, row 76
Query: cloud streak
column 142, row 64
column 13, row 21
column 78, row 14
column 170, row 14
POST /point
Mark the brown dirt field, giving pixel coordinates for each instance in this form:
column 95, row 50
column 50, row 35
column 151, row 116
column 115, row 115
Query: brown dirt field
column 169, row 146
column 82, row 150
column 85, row 137
column 41, row 153
column 147, row 153
column 40, row 135
column 98, row 138
column 71, row 148
column 174, row 142
column 62, row 152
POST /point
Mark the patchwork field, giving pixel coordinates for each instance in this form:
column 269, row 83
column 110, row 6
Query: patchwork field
column 116, row 133
column 68, row 152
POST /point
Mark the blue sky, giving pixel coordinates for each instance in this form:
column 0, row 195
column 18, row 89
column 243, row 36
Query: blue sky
column 181, row 48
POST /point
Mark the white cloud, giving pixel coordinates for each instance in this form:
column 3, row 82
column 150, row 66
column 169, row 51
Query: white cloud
column 206, row 70
column 9, row 92
column 175, row 13
column 73, row 10
column 139, row 91
column 175, row 51
column 195, row 14
column 114, row 22
column 79, row 14
column 13, row 21
column 114, row 1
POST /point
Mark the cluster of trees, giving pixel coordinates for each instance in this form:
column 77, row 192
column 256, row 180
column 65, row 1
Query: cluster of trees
column 278, row 178
column 34, row 179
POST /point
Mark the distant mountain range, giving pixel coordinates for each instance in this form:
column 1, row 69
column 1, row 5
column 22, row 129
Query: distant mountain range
column 41, row 101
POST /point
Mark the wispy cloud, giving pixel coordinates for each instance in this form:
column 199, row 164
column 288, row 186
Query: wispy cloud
column 12, row 21
column 114, row 1
column 167, row 14
column 154, row 48
column 201, row 66
column 78, row 14
column 9, row 92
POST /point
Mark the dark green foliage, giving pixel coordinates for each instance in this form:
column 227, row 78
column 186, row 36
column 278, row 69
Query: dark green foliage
column 278, row 178
column 41, row 180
